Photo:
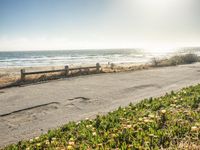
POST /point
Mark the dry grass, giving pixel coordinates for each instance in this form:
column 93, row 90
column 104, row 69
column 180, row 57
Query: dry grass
column 7, row 80
column 116, row 68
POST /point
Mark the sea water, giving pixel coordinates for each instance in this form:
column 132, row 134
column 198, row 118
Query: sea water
column 76, row 57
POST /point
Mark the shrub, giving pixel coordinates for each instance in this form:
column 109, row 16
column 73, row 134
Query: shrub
column 176, row 60
column 155, row 62
column 190, row 58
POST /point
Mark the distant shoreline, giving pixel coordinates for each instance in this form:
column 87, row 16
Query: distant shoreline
column 44, row 58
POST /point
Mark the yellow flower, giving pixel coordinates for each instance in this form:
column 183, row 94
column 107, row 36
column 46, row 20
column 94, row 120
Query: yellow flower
column 151, row 116
column 71, row 143
column 100, row 144
column 36, row 138
column 47, row 142
column 172, row 105
column 146, row 120
column 88, row 126
column 140, row 119
column 94, row 133
column 163, row 111
column 78, row 122
column 194, row 128
column 31, row 140
column 69, row 147
column 38, row 144
column 113, row 135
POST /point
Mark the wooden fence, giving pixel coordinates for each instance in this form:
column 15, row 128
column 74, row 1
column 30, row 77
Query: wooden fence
column 66, row 71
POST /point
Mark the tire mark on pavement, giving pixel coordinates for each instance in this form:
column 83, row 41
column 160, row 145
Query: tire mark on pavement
column 29, row 108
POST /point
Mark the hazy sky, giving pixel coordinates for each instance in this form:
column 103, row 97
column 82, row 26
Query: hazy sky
column 87, row 24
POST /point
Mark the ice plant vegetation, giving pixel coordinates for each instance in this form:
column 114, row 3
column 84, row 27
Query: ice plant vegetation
column 168, row 122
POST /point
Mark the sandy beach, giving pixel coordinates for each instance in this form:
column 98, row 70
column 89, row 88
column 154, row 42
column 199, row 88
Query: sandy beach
column 28, row 111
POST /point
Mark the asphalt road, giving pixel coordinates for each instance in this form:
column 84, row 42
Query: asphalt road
column 26, row 112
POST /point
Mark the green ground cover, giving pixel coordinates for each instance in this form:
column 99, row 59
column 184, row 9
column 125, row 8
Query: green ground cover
column 168, row 122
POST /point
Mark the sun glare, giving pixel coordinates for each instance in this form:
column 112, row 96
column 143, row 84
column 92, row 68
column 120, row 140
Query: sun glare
column 158, row 3
column 159, row 48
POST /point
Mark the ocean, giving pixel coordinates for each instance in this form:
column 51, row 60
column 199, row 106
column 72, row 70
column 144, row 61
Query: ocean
column 76, row 57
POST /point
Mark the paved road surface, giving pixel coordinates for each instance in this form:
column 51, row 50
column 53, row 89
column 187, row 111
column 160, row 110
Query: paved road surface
column 28, row 111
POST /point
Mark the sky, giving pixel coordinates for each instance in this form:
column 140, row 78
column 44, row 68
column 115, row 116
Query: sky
column 98, row 24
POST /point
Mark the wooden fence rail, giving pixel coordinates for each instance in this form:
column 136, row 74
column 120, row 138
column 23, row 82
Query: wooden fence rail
column 66, row 70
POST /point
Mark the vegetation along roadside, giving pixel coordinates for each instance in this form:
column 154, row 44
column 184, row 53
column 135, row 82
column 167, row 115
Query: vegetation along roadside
column 168, row 122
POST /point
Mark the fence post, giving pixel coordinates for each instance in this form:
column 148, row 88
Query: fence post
column 98, row 67
column 80, row 71
column 88, row 70
column 66, row 71
column 23, row 74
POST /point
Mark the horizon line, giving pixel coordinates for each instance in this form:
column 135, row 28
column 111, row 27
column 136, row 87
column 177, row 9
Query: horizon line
column 136, row 48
